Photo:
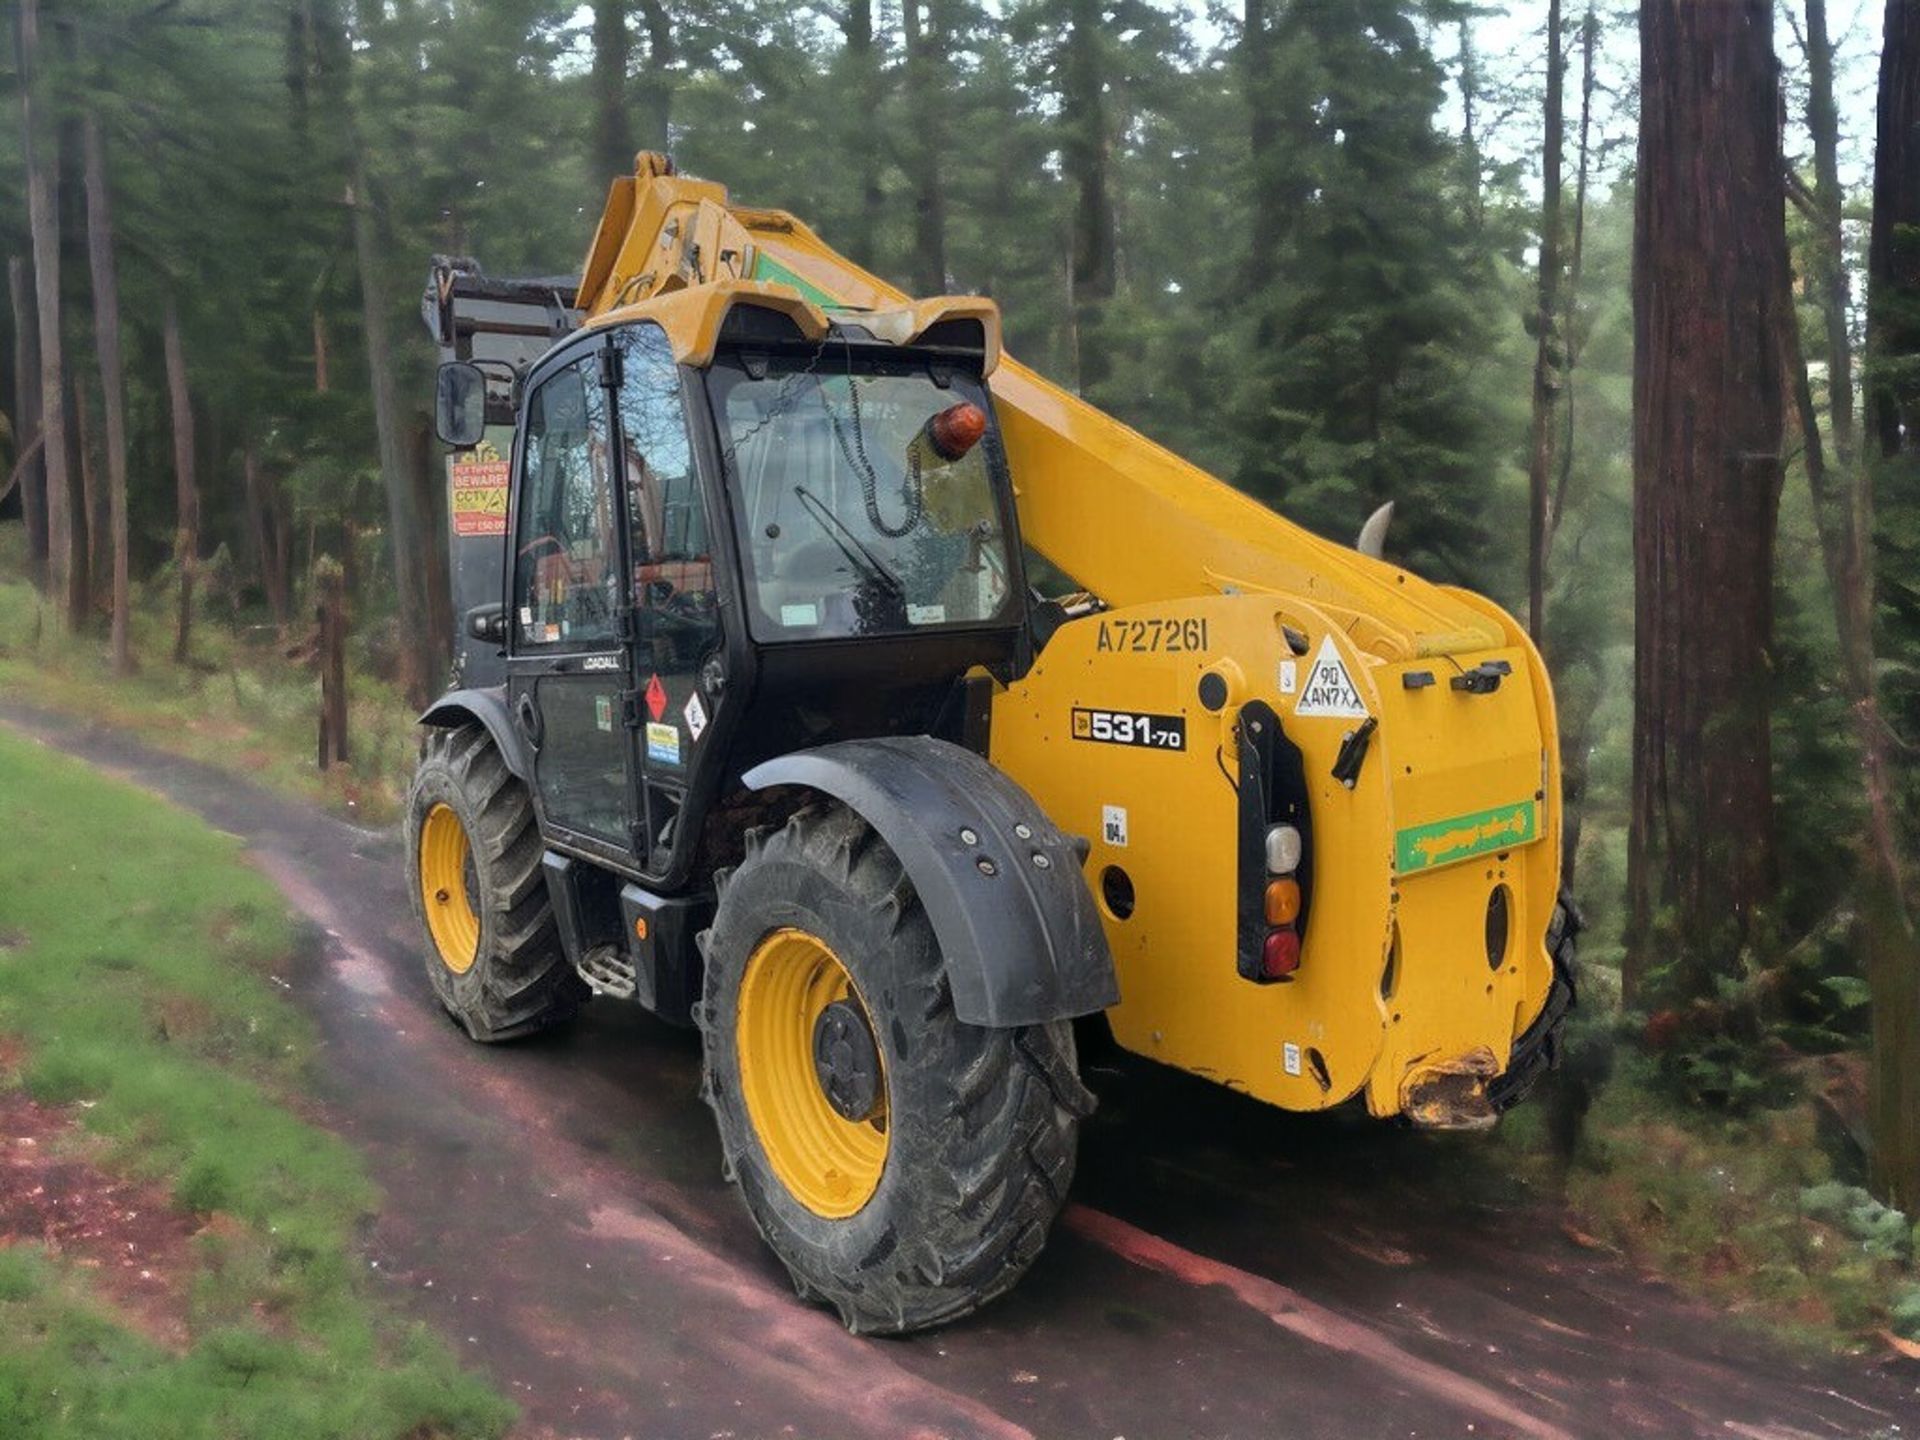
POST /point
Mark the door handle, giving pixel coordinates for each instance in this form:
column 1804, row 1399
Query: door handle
column 528, row 714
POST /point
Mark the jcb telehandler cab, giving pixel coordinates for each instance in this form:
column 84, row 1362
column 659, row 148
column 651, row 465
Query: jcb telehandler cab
column 758, row 722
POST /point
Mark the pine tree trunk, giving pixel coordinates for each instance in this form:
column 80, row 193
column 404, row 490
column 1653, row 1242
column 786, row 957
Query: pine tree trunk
column 1263, row 134
column 93, row 493
column 1893, row 418
column 113, row 395
column 186, row 541
column 269, row 552
column 862, row 131
column 1546, row 359
column 44, row 225
column 612, row 130
column 1576, row 720
column 428, row 467
column 320, row 377
column 1086, row 156
column 656, row 90
column 404, row 537
column 1893, row 254
column 1709, row 246
column 1469, row 132
column 1823, row 125
column 26, row 409
column 926, row 105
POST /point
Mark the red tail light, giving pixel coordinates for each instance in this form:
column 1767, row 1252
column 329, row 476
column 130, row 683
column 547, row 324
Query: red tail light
column 1280, row 955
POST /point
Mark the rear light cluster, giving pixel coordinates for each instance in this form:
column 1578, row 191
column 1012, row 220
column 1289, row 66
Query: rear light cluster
column 1280, row 951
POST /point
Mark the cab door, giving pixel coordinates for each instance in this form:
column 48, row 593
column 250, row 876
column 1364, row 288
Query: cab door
column 679, row 682
column 567, row 665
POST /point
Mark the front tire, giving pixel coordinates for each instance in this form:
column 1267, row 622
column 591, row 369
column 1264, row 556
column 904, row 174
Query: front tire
column 905, row 1166
column 493, row 952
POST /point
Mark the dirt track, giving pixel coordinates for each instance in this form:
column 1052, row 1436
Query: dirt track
column 556, row 1208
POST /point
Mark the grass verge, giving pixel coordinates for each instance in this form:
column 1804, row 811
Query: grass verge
column 137, row 976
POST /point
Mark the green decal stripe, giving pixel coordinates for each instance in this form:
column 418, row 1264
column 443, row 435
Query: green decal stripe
column 767, row 268
column 1422, row 847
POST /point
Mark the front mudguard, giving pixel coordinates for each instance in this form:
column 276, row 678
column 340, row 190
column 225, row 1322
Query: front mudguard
column 1001, row 883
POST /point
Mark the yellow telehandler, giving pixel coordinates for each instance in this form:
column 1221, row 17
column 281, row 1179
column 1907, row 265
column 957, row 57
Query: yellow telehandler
column 758, row 721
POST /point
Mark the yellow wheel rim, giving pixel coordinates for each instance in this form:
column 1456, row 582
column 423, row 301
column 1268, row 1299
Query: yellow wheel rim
column 830, row 1164
column 445, row 860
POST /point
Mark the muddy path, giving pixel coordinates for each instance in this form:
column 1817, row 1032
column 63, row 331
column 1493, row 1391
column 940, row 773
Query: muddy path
column 556, row 1208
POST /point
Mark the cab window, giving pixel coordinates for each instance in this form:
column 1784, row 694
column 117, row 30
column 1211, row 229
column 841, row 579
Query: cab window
column 672, row 554
column 564, row 554
column 856, row 516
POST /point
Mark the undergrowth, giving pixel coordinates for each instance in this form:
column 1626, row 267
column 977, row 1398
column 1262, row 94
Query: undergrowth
column 247, row 699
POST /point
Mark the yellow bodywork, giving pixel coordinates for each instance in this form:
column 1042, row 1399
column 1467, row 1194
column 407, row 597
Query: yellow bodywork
column 1459, row 792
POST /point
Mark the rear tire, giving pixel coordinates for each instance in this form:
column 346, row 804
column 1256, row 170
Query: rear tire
column 493, row 953
column 1538, row 1051
column 978, row 1126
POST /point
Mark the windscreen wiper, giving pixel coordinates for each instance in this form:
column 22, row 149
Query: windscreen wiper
column 858, row 555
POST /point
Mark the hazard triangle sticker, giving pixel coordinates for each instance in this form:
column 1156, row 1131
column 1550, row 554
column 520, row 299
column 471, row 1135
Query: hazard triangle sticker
column 1329, row 690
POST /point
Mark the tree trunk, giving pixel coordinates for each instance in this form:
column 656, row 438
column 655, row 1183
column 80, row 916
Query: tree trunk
column 656, row 88
column 330, row 652
column 1830, row 275
column 613, row 145
column 1576, row 720
column 1569, row 306
column 1893, row 254
column 320, row 377
column 26, row 411
column 186, row 541
column 1469, row 134
column 427, row 465
column 93, row 493
column 44, row 224
column 1547, row 351
column 1709, row 246
column 1263, row 138
column 404, row 537
column 926, row 107
column 113, row 393
column 268, row 548
column 1893, row 416
column 862, row 131
column 1086, row 150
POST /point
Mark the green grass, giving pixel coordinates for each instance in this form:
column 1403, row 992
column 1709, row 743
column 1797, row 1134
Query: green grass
column 140, row 981
column 242, row 703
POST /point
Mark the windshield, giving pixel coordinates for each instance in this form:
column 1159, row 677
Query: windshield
column 865, row 500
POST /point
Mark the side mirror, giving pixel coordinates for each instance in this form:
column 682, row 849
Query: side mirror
column 488, row 623
column 460, row 405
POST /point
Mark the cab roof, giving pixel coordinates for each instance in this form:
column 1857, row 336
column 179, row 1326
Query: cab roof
column 693, row 317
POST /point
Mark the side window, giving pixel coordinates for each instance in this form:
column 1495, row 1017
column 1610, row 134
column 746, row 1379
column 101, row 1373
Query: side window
column 672, row 554
column 564, row 582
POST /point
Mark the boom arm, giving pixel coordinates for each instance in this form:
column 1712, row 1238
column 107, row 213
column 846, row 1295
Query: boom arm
column 1123, row 516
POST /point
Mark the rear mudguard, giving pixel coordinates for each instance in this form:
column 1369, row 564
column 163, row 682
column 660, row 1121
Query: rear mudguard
column 1001, row 882
column 489, row 707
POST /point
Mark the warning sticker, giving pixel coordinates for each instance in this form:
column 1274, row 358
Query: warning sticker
column 477, row 495
column 663, row 743
column 1328, row 689
column 696, row 716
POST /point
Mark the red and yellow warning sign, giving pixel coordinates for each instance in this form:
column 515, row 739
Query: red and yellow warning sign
column 477, row 493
